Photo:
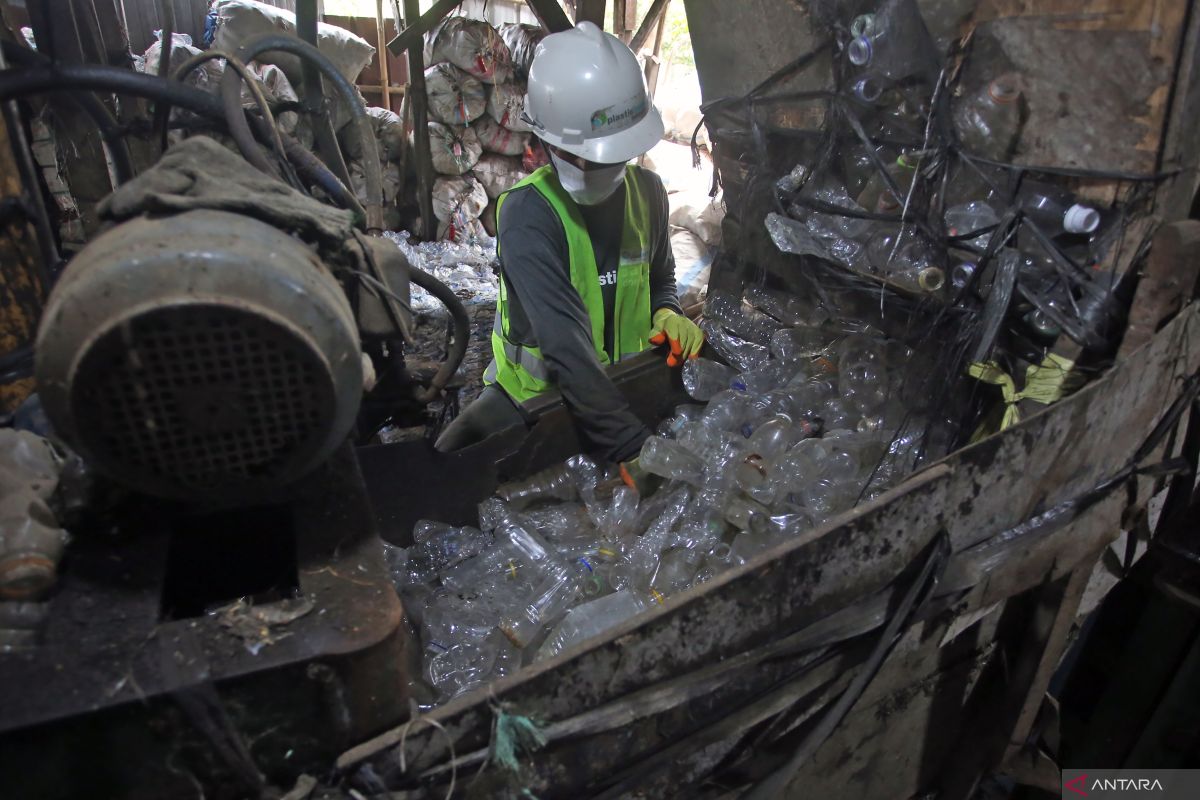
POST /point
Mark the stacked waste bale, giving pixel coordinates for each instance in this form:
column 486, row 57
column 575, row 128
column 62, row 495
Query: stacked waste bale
column 477, row 136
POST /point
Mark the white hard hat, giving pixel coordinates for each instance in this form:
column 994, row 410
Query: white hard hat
column 587, row 96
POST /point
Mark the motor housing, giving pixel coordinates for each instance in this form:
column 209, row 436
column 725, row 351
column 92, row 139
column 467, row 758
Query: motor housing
column 204, row 355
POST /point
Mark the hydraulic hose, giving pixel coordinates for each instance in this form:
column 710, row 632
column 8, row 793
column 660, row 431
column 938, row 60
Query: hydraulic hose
column 461, row 331
column 90, row 77
column 268, row 42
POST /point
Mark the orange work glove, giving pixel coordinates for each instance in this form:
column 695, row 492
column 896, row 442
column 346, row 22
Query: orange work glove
column 685, row 336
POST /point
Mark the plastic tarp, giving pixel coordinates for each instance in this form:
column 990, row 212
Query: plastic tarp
column 472, row 45
column 241, row 20
column 496, row 138
column 455, row 97
column 455, row 150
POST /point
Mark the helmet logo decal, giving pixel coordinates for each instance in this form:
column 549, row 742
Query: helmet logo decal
column 605, row 118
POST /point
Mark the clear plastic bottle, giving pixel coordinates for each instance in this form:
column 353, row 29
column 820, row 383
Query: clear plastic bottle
column 1055, row 210
column 761, row 379
column 864, row 385
column 726, row 411
column 591, row 619
column 738, row 352
column 739, row 510
column 988, row 122
column 684, row 413
column 443, row 549
column 746, row 323
column 669, row 459
column 801, row 342
column 702, row 377
column 789, row 309
column 552, row 596
column 969, row 217
column 877, row 196
column 676, row 570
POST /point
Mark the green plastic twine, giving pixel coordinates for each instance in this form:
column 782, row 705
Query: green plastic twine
column 514, row 735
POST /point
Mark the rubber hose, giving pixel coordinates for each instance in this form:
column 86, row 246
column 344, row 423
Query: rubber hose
column 370, row 148
column 462, row 330
column 91, row 105
column 235, row 118
column 91, row 77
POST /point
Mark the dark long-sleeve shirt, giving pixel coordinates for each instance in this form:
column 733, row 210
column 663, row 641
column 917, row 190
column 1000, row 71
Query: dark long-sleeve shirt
column 546, row 311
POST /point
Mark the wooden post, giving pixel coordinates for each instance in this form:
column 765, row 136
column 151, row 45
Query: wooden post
column 381, row 53
column 624, row 19
column 654, row 62
column 643, row 32
column 419, row 102
column 591, row 11
column 550, row 15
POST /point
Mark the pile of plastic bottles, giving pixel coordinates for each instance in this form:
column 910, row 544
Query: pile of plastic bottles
column 810, row 420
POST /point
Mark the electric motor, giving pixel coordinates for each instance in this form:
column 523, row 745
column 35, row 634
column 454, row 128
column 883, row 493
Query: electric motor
column 204, row 355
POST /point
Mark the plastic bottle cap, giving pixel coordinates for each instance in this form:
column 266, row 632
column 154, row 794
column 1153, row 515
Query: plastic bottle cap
column 859, row 51
column 863, row 25
column 1081, row 219
column 931, row 279
column 1003, row 92
column 868, row 90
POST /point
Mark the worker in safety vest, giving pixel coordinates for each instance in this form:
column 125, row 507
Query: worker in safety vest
column 587, row 276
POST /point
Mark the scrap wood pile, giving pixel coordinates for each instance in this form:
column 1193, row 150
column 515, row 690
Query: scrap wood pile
column 930, row 267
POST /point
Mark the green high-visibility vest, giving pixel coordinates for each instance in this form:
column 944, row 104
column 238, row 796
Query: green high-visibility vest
column 520, row 369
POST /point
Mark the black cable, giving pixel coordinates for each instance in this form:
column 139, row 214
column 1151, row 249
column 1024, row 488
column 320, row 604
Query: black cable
column 90, row 77
column 162, row 111
column 111, row 133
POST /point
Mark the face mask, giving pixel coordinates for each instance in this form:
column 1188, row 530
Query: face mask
column 591, row 187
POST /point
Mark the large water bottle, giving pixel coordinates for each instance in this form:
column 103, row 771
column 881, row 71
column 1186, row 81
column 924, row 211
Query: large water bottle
column 1055, row 210
column 988, row 122
column 702, row 377
column 591, row 619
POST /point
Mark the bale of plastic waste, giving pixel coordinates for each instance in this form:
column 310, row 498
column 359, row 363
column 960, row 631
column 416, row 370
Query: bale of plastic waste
column 389, row 133
column 471, row 45
column 238, row 21
column 522, row 41
column 454, row 149
column 498, row 173
column 455, row 97
column 496, row 138
column 506, row 104
column 458, row 197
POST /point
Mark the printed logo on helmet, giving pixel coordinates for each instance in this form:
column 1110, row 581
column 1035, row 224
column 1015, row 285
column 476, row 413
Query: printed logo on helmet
column 605, row 118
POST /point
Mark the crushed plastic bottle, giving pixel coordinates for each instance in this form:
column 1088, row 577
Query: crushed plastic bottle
column 746, row 323
column 669, row 459
column 702, row 377
column 1055, row 210
column 738, row 352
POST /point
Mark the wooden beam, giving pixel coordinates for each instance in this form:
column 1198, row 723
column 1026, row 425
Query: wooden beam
column 590, row 11
column 382, row 54
column 550, row 15
column 1168, row 281
column 420, row 24
column 643, row 32
column 419, row 102
column 622, row 27
column 654, row 62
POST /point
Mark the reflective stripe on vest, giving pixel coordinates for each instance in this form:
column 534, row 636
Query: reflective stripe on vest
column 520, row 369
